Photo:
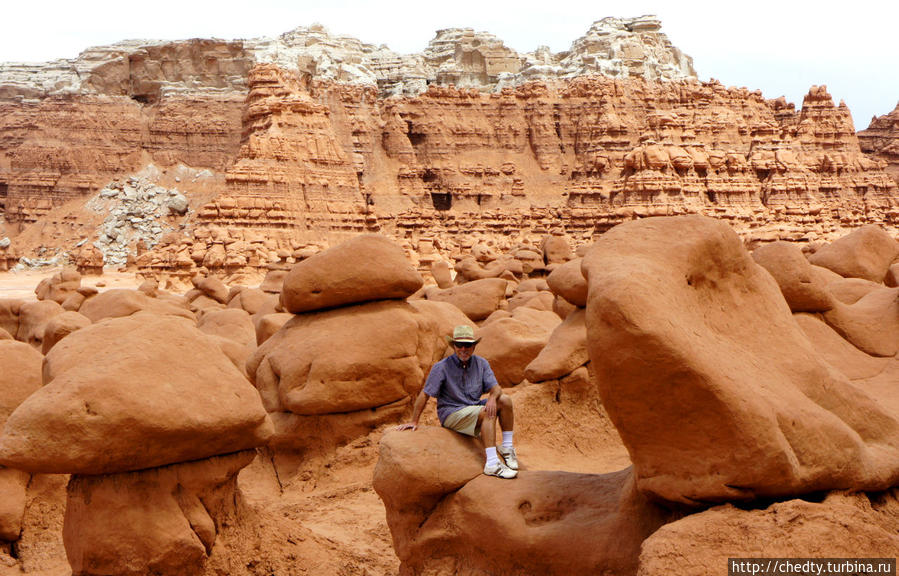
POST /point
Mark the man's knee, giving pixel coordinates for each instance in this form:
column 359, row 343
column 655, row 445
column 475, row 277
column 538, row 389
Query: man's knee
column 504, row 402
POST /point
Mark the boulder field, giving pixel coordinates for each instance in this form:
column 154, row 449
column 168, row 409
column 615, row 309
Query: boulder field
column 679, row 400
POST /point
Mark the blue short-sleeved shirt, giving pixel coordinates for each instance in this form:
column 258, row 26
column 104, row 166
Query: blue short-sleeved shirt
column 456, row 387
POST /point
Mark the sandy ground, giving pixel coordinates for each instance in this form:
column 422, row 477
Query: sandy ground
column 21, row 285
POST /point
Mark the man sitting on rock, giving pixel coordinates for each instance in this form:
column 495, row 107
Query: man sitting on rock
column 458, row 382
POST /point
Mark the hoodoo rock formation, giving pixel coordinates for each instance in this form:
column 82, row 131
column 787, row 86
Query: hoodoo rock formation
column 245, row 148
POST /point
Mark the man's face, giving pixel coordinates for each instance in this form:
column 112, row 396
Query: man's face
column 463, row 350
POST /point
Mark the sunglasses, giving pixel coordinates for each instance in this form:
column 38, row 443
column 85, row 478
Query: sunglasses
column 463, row 344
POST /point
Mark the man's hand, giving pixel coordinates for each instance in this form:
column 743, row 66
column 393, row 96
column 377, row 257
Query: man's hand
column 490, row 407
column 408, row 426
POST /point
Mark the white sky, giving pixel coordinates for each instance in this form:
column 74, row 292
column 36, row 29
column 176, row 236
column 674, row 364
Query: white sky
column 781, row 47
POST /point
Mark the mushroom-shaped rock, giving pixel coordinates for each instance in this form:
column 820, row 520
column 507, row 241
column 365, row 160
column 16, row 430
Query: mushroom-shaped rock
column 20, row 376
column 551, row 522
column 803, row 290
column 59, row 286
column 476, row 299
column 132, row 393
column 715, row 390
column 120, row 302
column 416, row 470
column 365, row 268
column 345, row 359
column 865, row 253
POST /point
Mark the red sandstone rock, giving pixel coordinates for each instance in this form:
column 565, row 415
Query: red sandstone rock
column 568, row 282
column 20, row 377
column 548, row 519
column 345, row 359
column 681, row 319
column 476, row 299
column 363, row 269
column 565, row 351
column 119, row 303
column 866, row 253
column 59, row 286
column 510, row 344
column 871, row 324
column 803, row 290
column 838, row 352
column 165, row 389
column 61, row 326
column 161, row 520
column 842, row 526
column 268, row 324
column 33, row 319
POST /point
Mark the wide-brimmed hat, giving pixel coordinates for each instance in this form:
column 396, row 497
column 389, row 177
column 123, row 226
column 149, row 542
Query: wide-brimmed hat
column 462, row 335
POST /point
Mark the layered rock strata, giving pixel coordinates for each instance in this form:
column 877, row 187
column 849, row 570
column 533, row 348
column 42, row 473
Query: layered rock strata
column 881, row 139
column 301, row 141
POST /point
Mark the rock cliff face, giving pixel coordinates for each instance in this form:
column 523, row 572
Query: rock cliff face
column 309, row 134
column 881, row 140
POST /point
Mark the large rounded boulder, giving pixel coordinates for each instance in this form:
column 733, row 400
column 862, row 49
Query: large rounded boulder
column 715, row 390
column 132, row 393
column 365, row 268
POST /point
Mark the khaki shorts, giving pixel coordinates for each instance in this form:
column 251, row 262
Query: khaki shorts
column 464, row 420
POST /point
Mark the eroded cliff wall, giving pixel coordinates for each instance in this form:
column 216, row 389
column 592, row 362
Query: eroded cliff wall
column 307, row 135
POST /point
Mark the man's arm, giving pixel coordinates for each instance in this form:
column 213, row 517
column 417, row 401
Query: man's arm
column 420, row 402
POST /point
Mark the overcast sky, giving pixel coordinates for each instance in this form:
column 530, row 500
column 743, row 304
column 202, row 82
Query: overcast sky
column 781, row 47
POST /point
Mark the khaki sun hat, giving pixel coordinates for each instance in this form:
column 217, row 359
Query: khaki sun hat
column 462, row 335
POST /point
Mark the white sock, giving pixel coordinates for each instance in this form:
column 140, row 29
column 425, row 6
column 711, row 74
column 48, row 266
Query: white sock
column 507, row 439
column 492, row 460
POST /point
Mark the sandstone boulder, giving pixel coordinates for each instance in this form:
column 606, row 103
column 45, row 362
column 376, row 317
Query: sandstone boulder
column 865, row 253
column 837, row 351
column 803, row 290
column 442, row 273
column 33, row 319
column 715, row 390
column 157, row 521
column 266, row 325
column 842, row 526
column 565, row 351
column 556, row 249
column 568, row 282
column 510, row 344
column 365, row 268
column 851, row 290
column 119, row 303
column 59, row 286
column 551, row 522
column 20, row 376
column 213, row 288
column 345, row 359
column 477, row 299
column 132, row 393
column 871, row 324
column 61, row 326
column 254, row 301
column 9, row 315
